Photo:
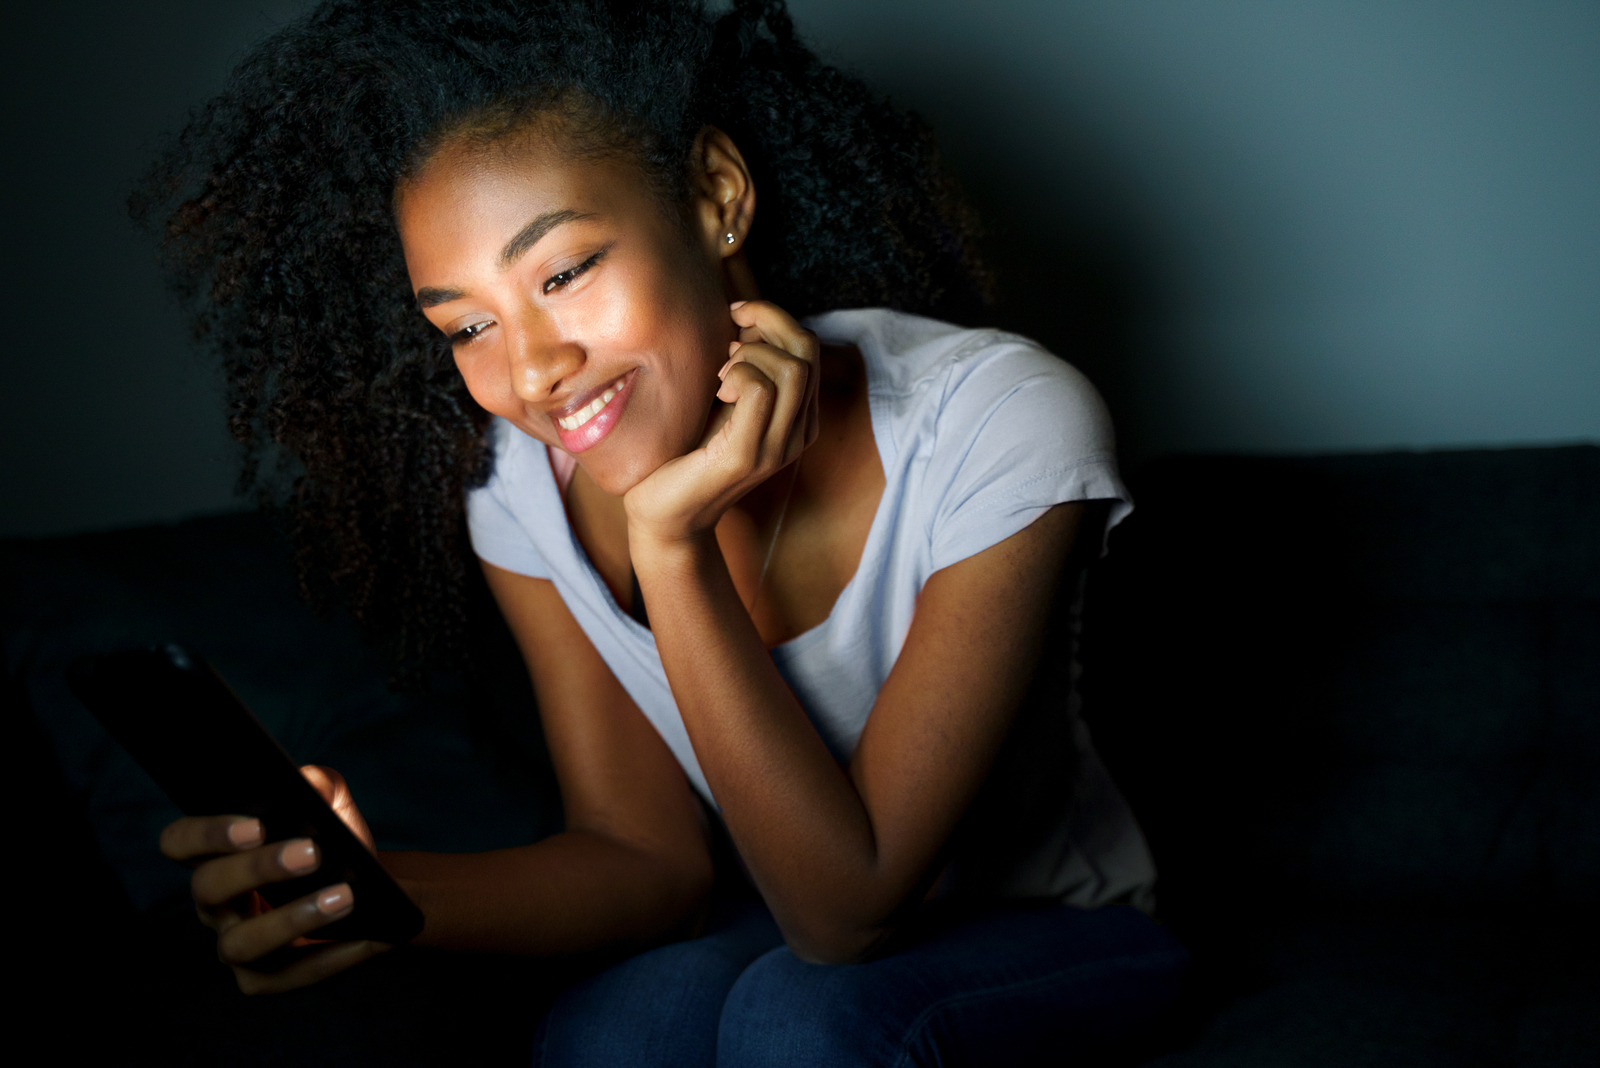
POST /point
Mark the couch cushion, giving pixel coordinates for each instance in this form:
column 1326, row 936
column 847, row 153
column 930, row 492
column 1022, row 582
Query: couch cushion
column 1355, row 680
column 458, row 768
column 1422, row 989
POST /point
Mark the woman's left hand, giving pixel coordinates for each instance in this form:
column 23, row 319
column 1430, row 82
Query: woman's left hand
column 769, row 388
column 231, row 866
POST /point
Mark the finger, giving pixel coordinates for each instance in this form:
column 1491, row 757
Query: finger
column 222, row 879
column 753, row 396
column 243, row 941
column 786, row 435
column 813, row 425
column 762, row 320
column 325, row 781
column 221, row 917
column 795, row 379
column 331, row 785
column 205, row 836
column 743, row 349
column 733, row 358
column 813, row 416
column 797, row 409
column 772, row 324
column 311, row 967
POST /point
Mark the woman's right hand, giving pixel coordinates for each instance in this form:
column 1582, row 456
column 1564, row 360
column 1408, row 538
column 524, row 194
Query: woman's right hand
column 231, row 864
column 770, row 391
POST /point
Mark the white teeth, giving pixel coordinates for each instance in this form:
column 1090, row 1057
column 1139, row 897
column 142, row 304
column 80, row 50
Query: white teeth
column 590, row 410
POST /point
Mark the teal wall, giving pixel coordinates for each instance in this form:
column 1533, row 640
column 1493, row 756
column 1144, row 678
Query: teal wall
column 1327, row 225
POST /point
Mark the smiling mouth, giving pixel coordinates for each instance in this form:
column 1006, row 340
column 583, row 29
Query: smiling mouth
column 592, row 409
column 589, row 425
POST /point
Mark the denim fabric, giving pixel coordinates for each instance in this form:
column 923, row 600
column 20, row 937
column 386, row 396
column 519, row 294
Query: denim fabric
column 1008, row 986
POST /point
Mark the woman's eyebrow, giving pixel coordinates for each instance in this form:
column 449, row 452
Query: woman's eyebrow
column 529, row 235
column 428, row 296
column 526, row 238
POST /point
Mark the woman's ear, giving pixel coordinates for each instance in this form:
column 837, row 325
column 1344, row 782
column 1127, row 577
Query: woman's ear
column 725, row 196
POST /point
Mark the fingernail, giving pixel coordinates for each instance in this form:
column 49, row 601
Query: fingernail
column 245, row 833
column 335, row 899
column 724, row 372
column 738, row 304
column 298, row 855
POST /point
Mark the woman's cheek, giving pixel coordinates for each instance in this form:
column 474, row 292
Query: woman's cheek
column 493, row 393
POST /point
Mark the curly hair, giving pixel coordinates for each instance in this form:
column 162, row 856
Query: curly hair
column 276, row 207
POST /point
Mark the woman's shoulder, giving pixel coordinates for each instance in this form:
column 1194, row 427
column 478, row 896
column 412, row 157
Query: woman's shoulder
column 923, row 373
column 518, row 458
column 510, row 514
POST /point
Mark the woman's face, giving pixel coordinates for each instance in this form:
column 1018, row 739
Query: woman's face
column 577, row 309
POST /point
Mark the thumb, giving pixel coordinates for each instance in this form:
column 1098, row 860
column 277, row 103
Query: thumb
column 331, row 785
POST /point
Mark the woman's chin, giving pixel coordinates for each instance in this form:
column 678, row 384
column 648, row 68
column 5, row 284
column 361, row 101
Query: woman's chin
column 632, row 453
column 617, row 478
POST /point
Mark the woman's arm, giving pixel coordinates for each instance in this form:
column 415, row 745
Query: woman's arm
column 837, row 851
column 632, row 864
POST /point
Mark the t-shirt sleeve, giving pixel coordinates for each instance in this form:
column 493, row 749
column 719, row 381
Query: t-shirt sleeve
column 497, row 536
column 1018, row 431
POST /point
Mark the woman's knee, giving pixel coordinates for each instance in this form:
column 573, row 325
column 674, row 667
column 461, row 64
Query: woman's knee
column 660, row 1007
column 784, row 1012
column 1016, row 987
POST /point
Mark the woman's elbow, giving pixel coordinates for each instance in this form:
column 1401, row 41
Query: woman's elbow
column 835, row 943
column 685, row 888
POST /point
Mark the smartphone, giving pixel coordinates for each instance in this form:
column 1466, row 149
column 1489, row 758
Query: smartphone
column 199, row 742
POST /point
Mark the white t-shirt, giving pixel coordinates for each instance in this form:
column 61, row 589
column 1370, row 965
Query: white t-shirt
column 979, row 433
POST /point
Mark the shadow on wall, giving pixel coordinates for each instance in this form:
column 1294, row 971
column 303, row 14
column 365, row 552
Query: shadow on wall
column 1278, row 228
column 1077, row 258
column 1081, row 286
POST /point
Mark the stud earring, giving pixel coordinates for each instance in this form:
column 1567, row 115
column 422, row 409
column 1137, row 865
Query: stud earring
column 729, row 239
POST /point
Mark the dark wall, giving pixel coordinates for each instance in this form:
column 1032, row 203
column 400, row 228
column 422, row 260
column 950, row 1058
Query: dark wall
column 106, row 415
column 1268, row 226
column 1264, row 227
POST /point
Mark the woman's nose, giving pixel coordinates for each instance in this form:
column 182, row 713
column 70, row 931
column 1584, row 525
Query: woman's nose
column 539, row 360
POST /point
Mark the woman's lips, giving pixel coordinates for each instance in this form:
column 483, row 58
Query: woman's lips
column 585, row 427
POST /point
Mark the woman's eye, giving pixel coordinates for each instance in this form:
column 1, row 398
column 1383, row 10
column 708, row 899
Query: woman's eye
column 470, row 332
column 556, row 281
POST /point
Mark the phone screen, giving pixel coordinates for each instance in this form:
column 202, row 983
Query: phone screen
column 201, row 745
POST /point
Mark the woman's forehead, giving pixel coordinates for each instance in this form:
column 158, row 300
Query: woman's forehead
column 467, row 184
column 470, row 213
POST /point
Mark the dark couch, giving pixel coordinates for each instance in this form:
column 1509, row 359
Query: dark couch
column 1355, row 702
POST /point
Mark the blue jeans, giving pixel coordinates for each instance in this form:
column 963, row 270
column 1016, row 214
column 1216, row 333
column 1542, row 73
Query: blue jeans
column 1007, row 986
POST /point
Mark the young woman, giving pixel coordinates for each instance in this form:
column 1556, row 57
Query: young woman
column 630, row 288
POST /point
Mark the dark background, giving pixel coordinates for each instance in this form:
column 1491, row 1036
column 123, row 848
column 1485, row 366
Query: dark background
column 1260, row 227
